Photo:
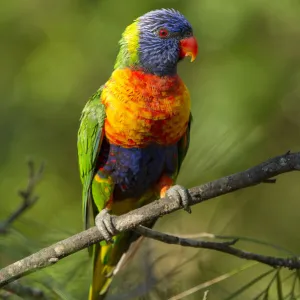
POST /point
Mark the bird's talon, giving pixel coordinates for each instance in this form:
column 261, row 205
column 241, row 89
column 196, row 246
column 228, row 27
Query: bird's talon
column 105, row 225
column 180, row 193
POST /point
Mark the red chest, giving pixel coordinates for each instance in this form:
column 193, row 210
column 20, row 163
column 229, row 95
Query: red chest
column 143, row 109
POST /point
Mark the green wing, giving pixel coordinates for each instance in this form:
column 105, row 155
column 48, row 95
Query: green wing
column 183, row 145
column 89, row 140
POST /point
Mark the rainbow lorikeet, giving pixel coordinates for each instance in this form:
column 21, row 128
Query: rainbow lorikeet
column 134, row 133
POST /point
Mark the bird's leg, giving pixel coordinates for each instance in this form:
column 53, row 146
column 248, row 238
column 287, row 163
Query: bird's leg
column 178, row 192
column 105, row 224
column 102, row 189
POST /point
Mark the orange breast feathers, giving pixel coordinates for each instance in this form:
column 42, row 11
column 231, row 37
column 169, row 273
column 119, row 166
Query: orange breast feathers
column 144, row 108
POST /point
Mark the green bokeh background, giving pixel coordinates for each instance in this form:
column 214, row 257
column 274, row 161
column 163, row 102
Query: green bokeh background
column 245, row 88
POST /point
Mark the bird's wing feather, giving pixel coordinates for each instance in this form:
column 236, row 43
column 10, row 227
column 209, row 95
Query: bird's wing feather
column 89, row 140
column 183, row 145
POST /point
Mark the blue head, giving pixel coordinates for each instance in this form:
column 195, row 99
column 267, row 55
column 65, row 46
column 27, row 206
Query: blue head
column 156, row 42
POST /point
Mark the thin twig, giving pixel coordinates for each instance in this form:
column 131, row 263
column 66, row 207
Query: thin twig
column 265, row 292
column 250, row 284
column 235, row 237
column 225, row 247
column 292, row 293
column 211, row 282
column 27, row 196
column 25, row 292
column 253, row 176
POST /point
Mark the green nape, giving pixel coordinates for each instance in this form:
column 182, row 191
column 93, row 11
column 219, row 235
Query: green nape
column 129, row 44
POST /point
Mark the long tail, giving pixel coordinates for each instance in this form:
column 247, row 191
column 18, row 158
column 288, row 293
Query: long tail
column 102, row 272
column 109, row 259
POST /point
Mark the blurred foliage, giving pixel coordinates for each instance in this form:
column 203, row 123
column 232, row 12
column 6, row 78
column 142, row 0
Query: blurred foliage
column 245, row 89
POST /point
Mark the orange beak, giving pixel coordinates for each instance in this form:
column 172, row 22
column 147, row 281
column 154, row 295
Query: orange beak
column 188, row 47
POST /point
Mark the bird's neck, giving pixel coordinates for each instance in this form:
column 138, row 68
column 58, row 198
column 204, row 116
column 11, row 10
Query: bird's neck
column 158, row 70
column 146, row 67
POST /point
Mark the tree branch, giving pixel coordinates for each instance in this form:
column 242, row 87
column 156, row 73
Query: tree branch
column 27, row 196
column 225, row 247
column 208, row 235
column 25, row 292
column 255, row 175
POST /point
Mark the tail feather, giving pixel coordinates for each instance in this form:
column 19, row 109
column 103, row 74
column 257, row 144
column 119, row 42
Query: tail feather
column 108, row 259
column 102, row 273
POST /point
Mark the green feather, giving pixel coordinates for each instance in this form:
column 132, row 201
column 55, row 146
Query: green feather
column 89, row 140
column 183, row 146
column 128, row 55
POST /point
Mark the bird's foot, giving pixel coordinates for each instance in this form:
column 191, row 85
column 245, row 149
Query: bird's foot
column 105, row 224
column 181, row 194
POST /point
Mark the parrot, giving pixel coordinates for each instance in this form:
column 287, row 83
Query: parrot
column 134, row 134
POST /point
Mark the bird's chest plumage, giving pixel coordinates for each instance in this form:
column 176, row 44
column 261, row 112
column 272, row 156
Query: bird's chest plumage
column 135, row 170
column 142, row 109
column 146, row 116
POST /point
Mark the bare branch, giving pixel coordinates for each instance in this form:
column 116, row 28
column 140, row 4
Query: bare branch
column 27, row 195
column 25, row 292
column 234, row 237
column 253, row 176
column 225, row 247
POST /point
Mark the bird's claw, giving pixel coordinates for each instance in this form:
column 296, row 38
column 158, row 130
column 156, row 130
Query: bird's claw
column 181, row 194
column 105, row 224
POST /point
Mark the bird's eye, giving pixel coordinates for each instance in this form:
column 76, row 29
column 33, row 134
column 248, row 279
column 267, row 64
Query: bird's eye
column 163, row 33
column 188, row 34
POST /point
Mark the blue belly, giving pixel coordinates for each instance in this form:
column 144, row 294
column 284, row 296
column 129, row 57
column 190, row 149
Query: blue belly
column 136, row 170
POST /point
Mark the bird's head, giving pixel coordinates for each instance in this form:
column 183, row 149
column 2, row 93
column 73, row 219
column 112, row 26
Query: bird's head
column 156, row 42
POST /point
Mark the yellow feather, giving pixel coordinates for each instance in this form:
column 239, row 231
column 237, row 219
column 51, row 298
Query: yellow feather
column 144, row 108
column 132, row 40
